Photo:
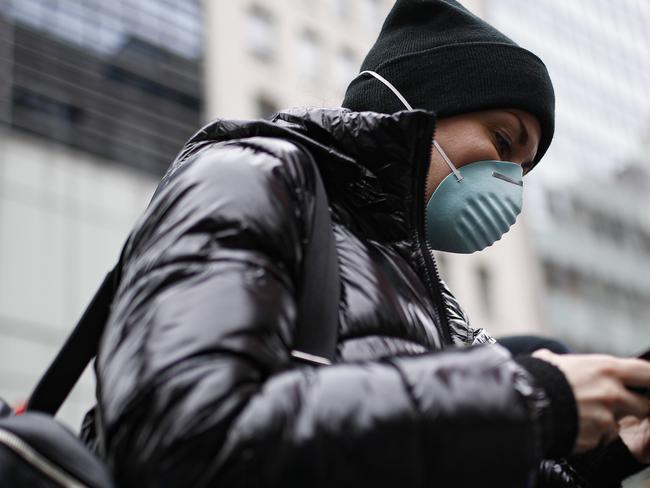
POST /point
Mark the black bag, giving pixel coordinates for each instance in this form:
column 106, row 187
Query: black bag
column 37, row 451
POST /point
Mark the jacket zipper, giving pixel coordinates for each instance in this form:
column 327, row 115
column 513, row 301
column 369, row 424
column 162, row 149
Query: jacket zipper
column 36, row 460
column 429, row 263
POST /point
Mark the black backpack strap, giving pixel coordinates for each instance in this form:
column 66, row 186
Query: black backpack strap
column 318, row 305
column 317, row 318
column 79, row 349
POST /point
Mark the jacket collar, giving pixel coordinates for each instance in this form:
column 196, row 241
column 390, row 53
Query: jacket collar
column 373, row 164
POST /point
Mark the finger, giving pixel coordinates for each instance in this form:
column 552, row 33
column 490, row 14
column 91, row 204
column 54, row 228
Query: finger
column 542, row 353
column 628, row 403
column 546, row 355
column 626, row 422
column 608, row 428
column 633, row 371
column 595, row 429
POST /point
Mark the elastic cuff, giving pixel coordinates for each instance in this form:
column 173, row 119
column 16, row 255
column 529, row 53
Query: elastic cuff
column 606, row 466
column 561, row 428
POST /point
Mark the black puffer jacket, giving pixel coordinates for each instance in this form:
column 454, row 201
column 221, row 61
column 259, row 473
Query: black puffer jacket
column 195, row 382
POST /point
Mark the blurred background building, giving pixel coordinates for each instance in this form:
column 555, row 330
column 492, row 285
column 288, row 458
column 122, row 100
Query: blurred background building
column 587, row 213
column 264, row 56
column 595, row 249
column 97, row 97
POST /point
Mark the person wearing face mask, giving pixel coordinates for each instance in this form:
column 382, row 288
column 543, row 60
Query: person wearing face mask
column 196, row 386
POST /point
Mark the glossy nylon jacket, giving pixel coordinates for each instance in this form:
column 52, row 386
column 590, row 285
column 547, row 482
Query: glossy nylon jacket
column 195, row 382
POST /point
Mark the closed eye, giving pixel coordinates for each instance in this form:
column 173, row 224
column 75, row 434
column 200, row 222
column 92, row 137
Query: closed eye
column 503, row 146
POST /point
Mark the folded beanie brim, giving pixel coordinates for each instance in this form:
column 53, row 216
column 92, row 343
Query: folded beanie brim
column 443, row 58
column 464, row 77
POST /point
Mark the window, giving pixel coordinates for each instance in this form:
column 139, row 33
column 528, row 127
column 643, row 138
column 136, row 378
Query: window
column 260, row 32
column 101, row 26
column 485, row 289
column 552, row 275
column 265, row 107
column 645, row 242
column 103, row 76
column 373, row 13
column 309, row 56
column 59, row 111
column 561, row 207
column 572, row 283
column 343, row 8
column 345, row 68
column 607, row 227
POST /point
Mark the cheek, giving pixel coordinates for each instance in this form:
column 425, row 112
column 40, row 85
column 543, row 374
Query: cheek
column 475, row 146
column 438, row 171
column 463, row 144
column 471, row 146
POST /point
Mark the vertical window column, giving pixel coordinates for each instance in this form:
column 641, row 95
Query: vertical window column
column 309, row 56
column 260, row 32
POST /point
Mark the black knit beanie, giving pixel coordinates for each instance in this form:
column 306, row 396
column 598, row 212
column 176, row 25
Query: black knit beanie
column 443, row 58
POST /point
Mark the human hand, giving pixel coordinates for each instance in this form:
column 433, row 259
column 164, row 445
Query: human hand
column 636, row 436
column 599, row 383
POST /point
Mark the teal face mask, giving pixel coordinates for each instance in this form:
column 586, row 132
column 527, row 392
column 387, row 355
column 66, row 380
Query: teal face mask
column 472, row 207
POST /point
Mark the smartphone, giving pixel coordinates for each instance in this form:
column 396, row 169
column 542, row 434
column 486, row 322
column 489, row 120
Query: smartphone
column 640, row 390
column 645, row 355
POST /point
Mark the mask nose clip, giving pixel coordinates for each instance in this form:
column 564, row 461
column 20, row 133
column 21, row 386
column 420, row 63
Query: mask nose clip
column 507, row 179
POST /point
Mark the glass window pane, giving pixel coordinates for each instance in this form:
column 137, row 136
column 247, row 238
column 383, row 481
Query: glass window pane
column 260, row 33
column 309, row 56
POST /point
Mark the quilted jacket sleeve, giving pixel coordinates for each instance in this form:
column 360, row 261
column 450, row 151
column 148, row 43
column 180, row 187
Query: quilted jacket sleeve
column 195, row 382
column 604, row 467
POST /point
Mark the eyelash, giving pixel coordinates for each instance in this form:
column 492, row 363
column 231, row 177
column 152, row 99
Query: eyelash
column 503, row 145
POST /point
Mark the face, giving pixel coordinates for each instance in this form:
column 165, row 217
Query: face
column 504, row 135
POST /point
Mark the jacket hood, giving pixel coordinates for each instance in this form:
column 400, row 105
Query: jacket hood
column 371, row 162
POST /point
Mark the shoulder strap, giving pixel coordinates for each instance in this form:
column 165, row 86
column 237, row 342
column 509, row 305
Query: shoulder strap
column 317, row 318
column 318, row 305
column 77, row 351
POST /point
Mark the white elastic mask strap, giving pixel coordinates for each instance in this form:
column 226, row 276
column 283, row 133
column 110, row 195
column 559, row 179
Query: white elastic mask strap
column 453, row 168
column 392, row 88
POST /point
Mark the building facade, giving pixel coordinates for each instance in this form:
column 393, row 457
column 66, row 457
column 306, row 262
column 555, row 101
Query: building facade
column 96, row 98
column 500, row 286
column 264, row 56
column 595, row 253
column 587, row 218
column 587, row 223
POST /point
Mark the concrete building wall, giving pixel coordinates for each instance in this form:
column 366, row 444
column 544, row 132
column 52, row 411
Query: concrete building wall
column 595, row 53
column 499, row 286
column 64, row 216
column 287, row 52
column 595, row 286
column 240, row 72
column 119, row 81
column 64, row 213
